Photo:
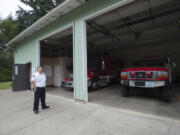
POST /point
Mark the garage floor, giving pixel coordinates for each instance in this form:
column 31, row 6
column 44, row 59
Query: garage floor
column 63, row 92
column 138, row 102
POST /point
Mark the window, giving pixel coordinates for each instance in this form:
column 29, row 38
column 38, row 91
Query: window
column 16, row 70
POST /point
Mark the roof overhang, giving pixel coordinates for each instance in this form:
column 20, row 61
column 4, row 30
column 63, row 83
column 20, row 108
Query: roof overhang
column 59, row 11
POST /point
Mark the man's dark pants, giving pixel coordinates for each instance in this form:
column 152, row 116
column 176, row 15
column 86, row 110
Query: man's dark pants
column 39, row 94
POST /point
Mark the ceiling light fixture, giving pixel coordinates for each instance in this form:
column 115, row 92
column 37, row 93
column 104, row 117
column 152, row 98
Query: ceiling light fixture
column 45, row 41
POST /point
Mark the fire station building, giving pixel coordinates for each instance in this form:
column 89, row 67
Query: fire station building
column 67, row 39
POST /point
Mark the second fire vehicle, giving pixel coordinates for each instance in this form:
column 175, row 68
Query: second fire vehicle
column 101, row 72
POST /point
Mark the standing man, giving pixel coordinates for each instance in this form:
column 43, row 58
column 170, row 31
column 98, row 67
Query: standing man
column 38, row 82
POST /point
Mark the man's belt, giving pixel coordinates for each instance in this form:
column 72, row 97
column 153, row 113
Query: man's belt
column 40, row 87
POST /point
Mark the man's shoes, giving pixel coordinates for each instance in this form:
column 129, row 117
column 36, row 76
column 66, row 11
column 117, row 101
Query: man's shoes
column 46, row 107
column 36, row 112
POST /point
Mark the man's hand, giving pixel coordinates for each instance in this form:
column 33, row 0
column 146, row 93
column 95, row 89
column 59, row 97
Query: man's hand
column 35, row 88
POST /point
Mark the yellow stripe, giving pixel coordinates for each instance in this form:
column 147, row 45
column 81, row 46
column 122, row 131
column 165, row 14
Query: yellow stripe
column 123, row 76
column 162, row 76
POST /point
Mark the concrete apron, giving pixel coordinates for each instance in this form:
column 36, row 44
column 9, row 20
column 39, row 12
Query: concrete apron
column 66, row 117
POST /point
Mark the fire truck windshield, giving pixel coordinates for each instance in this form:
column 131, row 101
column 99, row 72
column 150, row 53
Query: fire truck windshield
column 94, row 65
column 147, row 63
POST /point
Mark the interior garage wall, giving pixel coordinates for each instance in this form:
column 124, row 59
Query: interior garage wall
column 61, row 63
column 56, row 75
column 130, row 55
column 48, row 62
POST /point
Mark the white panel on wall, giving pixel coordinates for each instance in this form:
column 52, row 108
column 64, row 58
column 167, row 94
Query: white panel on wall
column 57, row 76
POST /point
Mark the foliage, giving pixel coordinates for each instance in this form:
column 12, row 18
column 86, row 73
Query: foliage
column 5, row 66
column 8, row 30
column 38, row 9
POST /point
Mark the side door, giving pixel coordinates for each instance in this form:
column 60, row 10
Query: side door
column 19, row 77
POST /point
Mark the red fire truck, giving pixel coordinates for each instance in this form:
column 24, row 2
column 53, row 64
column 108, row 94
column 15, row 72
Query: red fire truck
column 147, row 73
column 101, row 72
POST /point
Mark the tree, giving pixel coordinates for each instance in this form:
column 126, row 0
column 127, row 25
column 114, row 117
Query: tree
column 8, row 30
column 38, row 9
column 6, row 62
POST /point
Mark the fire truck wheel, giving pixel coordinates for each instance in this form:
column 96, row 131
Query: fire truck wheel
column 166, row 95
column 95, row 85
column 125, row 91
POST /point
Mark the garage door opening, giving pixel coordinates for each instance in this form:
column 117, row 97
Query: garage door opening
column 57, row 61
column 144, row 29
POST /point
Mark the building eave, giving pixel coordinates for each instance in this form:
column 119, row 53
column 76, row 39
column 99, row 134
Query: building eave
column 56, row 13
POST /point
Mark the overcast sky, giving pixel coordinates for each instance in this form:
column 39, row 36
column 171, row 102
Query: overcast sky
column 10, row 6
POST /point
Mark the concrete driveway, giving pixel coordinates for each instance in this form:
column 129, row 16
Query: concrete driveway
column 66, row 117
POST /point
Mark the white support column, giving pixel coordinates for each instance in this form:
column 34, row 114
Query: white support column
column 80, row 61
column 38, row 54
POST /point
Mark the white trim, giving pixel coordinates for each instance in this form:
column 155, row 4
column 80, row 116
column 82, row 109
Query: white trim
column 112, row 7
column 74, row 62
column 85, row 62
column 38, row 54
column 57, row 31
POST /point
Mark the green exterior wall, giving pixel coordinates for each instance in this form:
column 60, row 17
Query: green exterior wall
column 27, row 50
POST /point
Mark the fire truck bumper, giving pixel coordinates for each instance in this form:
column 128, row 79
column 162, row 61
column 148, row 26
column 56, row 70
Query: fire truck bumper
column 67, row 84
column 144, row 84
column 70, row 84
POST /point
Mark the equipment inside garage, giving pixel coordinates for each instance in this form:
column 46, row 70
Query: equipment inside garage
column 142, row 29
column 56, row 57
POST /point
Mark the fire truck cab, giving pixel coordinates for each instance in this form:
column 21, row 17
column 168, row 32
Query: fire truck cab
column 147, row 73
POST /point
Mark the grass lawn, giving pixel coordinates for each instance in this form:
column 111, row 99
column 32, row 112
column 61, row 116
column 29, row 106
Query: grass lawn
column 5, row 85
